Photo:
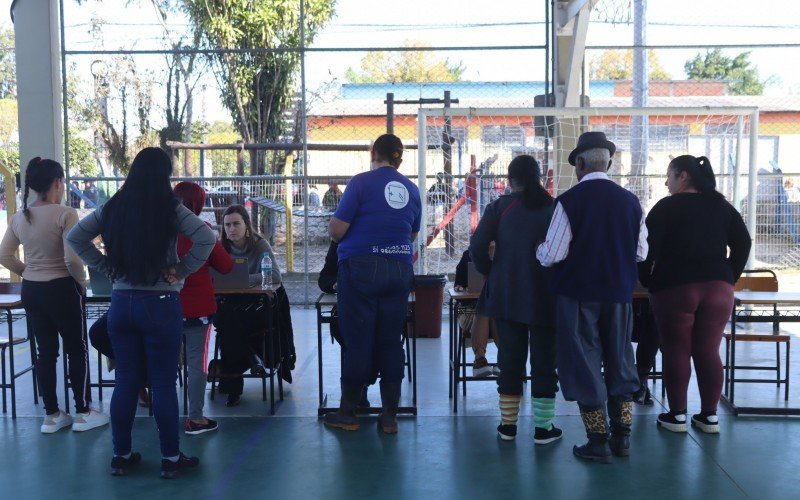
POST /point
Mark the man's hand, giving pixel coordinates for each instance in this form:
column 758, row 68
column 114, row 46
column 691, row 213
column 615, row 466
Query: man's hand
column 492, row 246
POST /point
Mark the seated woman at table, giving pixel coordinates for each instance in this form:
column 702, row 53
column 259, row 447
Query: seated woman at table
column 240, row 320
column 327, row 283
column 100, row 340
column 53, row 281
column 198, row 304
column 519, row 297
column 690, row 275
column 477, row 326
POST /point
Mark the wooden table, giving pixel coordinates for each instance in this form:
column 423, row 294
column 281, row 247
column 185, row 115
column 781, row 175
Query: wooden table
column 324, row 306
column 783, row 307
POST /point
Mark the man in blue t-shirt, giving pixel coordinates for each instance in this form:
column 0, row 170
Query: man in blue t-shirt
column 376, row 222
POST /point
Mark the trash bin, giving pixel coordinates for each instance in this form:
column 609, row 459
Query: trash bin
column 429, row 297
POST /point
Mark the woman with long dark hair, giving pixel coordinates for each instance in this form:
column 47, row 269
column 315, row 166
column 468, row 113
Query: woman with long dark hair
column 519, row 298
column 698, row 248
column 139, row 226
column 53, row 281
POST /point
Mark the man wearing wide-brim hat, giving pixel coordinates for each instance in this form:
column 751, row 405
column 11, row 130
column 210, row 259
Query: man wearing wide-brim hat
column 596, row 237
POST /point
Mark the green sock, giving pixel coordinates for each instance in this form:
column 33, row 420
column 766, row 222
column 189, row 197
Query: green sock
column 544, row 410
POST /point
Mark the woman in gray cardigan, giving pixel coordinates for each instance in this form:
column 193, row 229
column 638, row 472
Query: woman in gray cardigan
column 519, row 298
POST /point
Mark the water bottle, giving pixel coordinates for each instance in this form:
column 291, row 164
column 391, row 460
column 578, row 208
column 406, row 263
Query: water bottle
column 266, row 272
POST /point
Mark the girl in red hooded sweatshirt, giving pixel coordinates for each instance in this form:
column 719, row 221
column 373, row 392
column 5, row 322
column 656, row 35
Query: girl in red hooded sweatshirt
column 199, row 305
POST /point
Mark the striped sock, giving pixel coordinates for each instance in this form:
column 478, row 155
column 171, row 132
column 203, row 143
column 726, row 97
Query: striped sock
column 509, row 408
column 544, row 409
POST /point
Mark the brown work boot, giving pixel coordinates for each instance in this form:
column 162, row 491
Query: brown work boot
column 390, row 400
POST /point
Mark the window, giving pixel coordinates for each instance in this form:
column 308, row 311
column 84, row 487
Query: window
column 502, row 135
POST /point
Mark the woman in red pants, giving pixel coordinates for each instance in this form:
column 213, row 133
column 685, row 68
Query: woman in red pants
column 690, row 274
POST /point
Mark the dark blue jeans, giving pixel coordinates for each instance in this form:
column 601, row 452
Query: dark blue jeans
column 372, row 300
column 145, row 328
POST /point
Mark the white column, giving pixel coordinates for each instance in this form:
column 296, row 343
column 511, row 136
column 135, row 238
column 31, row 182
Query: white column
column 38, row 59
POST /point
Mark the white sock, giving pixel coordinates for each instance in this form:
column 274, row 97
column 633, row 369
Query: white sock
column 124, row 456
column 173, row 459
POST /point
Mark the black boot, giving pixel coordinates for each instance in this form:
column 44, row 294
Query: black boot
column 257, row 367
column 390, row 399
column 596, row 449
column 620, row 414
column 345, row 418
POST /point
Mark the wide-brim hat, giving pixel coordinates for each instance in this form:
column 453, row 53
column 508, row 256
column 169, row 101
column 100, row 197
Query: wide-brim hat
column 591, row 140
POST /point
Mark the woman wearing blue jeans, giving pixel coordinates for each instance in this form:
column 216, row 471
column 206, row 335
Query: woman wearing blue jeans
column 139, row 226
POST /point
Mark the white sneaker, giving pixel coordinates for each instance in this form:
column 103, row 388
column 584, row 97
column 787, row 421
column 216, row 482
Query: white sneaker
column 496, row 370
column 54, row 423
column 89, row 420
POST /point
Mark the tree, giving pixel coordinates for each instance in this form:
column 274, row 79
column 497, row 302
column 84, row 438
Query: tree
column 257, row 87
column 738, row 71
column 8, row 79
column 406, row 66
column 618, row 65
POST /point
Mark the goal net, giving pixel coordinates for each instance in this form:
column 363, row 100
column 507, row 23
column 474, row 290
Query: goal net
column 464, row 154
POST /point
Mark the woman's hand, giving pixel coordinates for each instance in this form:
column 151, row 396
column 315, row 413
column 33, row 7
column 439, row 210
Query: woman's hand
column 171, row 276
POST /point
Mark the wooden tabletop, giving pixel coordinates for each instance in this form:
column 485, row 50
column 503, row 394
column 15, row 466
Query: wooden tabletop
column 10, row 300
column 768, row 298
column 463, row 294
column 329, row 299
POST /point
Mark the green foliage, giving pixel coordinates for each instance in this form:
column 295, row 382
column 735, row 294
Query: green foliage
column 9, row 156
column 259, row 87
column 405, row 66
column 8, row 77
column 738, row 71
column 618, row 65
column 81, row 156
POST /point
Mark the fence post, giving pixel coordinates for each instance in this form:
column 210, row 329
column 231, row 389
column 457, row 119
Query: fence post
column 287, row 191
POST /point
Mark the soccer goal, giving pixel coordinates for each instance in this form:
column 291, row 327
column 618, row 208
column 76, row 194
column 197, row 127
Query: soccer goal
column 464, row 153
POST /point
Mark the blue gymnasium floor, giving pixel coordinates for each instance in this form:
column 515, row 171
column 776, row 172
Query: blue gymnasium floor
column 437, row 454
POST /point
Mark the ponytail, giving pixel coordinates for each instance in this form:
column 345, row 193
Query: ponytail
column 25, row 193
column 524, row 172
column 39, row 176
column 701, row 174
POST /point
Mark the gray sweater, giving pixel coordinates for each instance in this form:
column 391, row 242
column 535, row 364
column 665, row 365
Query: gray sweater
column 81, row 237
column 254, row 261
column 517, row 286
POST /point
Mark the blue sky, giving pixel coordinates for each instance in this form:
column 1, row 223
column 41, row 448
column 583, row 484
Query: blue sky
column 359, row 23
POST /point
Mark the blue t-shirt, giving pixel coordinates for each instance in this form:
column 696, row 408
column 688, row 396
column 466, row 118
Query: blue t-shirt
column 383, row 208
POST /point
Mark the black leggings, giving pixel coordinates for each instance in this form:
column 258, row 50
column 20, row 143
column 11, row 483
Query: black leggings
column 53, row 308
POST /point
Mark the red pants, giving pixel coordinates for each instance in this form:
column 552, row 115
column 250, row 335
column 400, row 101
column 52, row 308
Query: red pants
column 691, row 319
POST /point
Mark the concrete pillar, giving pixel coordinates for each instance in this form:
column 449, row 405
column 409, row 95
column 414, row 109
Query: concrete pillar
column 38, row 59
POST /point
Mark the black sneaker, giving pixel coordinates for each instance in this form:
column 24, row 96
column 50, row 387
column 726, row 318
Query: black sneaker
column 120, row 465
column 507, row 432
column 643, row 396
column 170, row 469
column 708, row 423
column 193, row 428
column 542, row 436
column 233, row 400
column 671, row 421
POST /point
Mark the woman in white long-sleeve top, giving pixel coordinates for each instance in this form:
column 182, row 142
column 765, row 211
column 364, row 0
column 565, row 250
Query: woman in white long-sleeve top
column 53, row 280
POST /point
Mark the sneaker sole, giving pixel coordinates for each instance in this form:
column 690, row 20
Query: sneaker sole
column 708, row 429
column 505, row 437
column 87, row 427
column 200, row 431
column 547, row 441
column 51, row 429
column 483, row 372
column 672, row 427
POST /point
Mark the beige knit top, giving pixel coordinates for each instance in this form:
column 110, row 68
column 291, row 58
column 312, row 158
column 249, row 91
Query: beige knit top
column 47, row 256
